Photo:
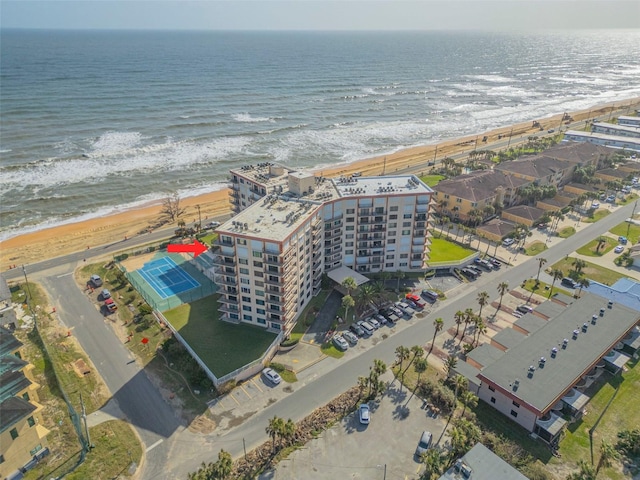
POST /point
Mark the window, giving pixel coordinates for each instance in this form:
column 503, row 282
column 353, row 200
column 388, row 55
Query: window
column 14, row 433
column 245, row 290
column 260, row 293
column 403, row 264
column 243, row 261
column 458, row 200
column 446, row 195
column 244, row 271
column 246, row 308
column 404, row 255
column 392, row 233
column 351, row 211
column 391, row 241
column 393, row 225
column 390, row 257
column 406, row 224
column 491, row 388
column 493, row 399
column 245, row 281
column 406, row 232
column 262, row 321
column 514, row 414
column 407, row 215
column 350, row 219
column 261, row 311
column 349, row 235
column 246, row 299
column 348, row 244
column 31, row 421
column 393, row 209
column 393, row 217
column 26, row 396
column 241, row 241
column 257, row 264
column 349, row 228
column 248, row 318
column 257, row 254
column 388, row 265
column 348, row 252
column 1, row 458
column 516, row 404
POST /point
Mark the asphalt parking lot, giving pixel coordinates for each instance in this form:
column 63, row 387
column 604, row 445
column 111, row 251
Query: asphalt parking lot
column 355, row 451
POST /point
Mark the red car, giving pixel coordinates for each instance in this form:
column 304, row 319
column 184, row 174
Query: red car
column 111, row 305
column 416, row 300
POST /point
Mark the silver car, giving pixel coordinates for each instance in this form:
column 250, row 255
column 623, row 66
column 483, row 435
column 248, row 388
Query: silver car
column 367, row 327
column 424, row 443
column 374, row 323
column 340, row 343
column 350, row 337
column 271, row 375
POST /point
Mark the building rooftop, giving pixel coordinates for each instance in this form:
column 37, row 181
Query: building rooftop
column 613, row 172
column 376, row 186
column 497, row 227
column 13, row 409
column 530, row 322
column 8, row 343
column 625, row 291
column 548, row 309
column 479, row 185
column 579, row 152
column 582, row 186
column 521, row 372
column 468, row 371
column 538, row 166
column 621, row 128
column 266, row 173
column 525, row 211
column 481, row 463
column 486, row 354
column 508, row 338
column 629, row 119
column 614, row 140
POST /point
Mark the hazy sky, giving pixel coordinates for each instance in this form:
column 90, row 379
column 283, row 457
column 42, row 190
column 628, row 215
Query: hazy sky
column 320, row 14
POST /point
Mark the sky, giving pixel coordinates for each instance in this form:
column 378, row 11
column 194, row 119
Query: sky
column 321, row 14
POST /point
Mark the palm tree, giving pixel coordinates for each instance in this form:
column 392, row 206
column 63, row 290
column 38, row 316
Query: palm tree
column 349, row 284
column 365, row 295
column 417, row 352
column 459, row 319
column 363, row 382
column 378, row 368
column 450, row 364
column 503, row 287
column 557, row 274
column 274, row 429
column 288, row 431
column 607, row 454
column 481, row 329
column 541, row 262
column 420, row 366
column 433, row 463
column 438, row 323
column 584, row 283
column 483, row 299
column 399, row 275
column 578, row 265
column 379, row 291
column 402, row 354
column 223, row 467
column 468, row 318
column 347, row 303
column 468, row 399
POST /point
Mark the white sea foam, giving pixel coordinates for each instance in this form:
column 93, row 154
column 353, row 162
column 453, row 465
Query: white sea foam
column 113, row 142
column 246, row 118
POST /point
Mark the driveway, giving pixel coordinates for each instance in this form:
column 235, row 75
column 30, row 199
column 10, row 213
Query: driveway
column 352, row 450
column 325, row 318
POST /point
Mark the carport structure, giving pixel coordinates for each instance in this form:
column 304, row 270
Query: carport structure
column 339, row 274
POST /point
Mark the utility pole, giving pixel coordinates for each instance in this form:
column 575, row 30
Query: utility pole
column 199, row 218
column 26, row 283
column 384, row 166
column 86, row 426
column 435, row 154
column 510, row 133
column 631, row 219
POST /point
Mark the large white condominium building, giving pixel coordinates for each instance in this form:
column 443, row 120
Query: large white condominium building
column 269, row 258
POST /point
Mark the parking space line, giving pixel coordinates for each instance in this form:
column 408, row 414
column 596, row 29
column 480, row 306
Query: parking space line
column 234, row 398
column 253, row 380
column 245, row 391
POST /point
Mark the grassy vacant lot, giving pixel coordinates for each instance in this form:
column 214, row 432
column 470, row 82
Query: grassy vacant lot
column 209, row 238
column 601, row 213
column 591, row 271
column 566, row 232
column 632, row 232
column 535, row 248
column 622, row 414
column 443, row 250
column 432, row 180
column 222, row 346
column 590, row 248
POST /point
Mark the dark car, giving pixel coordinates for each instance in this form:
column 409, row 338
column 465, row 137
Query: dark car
column 429, row 295
column 475, row 269
column 357, row 329
column 524, row 309
column 470, row 274
column 568, row 282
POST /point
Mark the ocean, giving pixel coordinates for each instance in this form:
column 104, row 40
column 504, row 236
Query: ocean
column 93, row 122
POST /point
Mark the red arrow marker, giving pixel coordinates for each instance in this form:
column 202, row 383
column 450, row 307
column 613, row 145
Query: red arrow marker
column 196, row 248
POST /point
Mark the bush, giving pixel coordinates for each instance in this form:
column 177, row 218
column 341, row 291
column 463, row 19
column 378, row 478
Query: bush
column 289, row 342
column 121, row 257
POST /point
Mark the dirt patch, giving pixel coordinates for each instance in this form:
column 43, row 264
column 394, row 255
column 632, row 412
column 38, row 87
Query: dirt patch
column 81, row 368
column 202, row 424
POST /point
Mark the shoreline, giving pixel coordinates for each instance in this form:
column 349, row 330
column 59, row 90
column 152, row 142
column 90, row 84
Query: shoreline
column 71, row 237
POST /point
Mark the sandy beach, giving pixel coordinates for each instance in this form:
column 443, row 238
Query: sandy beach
column 64, row 239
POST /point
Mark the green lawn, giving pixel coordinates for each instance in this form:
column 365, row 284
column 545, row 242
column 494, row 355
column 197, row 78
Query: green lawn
column 601, row 213
column 566, row 232
column 443, row 250
column 543, row 288
column 622, row 414
column 535, row 248
column 628, row 199
column 591, row 271
column 589, row 249
column 631, row 231
column 209, row 238
column 432, row 180
column 222, row 346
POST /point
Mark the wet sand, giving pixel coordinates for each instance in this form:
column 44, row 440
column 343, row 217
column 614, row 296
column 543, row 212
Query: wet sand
column 73, row 237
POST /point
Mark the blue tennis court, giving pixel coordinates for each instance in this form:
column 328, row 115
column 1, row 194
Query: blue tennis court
column 166, row 277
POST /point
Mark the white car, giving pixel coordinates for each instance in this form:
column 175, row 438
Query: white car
column 508, row 242
column 367, row 327
column 595, row 205
column 340, row 343
column 364, row 414
column 213, row 224
column 374, row 323
column 619, row 249
column 272, row 376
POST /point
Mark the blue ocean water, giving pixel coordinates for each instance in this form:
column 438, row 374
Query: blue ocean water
column 99, row 120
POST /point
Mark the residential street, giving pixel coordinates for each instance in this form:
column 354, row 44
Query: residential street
column 173, row 451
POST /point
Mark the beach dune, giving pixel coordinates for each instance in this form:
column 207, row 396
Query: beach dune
column 72, row 237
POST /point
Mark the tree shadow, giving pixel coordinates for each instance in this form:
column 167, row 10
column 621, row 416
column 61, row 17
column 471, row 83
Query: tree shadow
column 401, row 412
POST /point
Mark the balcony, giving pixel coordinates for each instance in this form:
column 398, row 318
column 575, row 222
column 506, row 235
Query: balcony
column 224, row 260
column 228, row 308
column 269, row 281
column 273, row 260
column 225, row 280
column 228, row 300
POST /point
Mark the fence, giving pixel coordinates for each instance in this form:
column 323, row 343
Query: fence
column 256, row 364
column 454, row 263
column 140, row 250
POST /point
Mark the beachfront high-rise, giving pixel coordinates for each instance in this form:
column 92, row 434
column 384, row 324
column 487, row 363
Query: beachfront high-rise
column 270, row 257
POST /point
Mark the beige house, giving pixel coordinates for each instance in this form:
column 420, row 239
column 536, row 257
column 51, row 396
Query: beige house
column 457, row 197
column 496, row 229
column 23, row 438
column 580, row 189
column 540, row 169
column 611, row 175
